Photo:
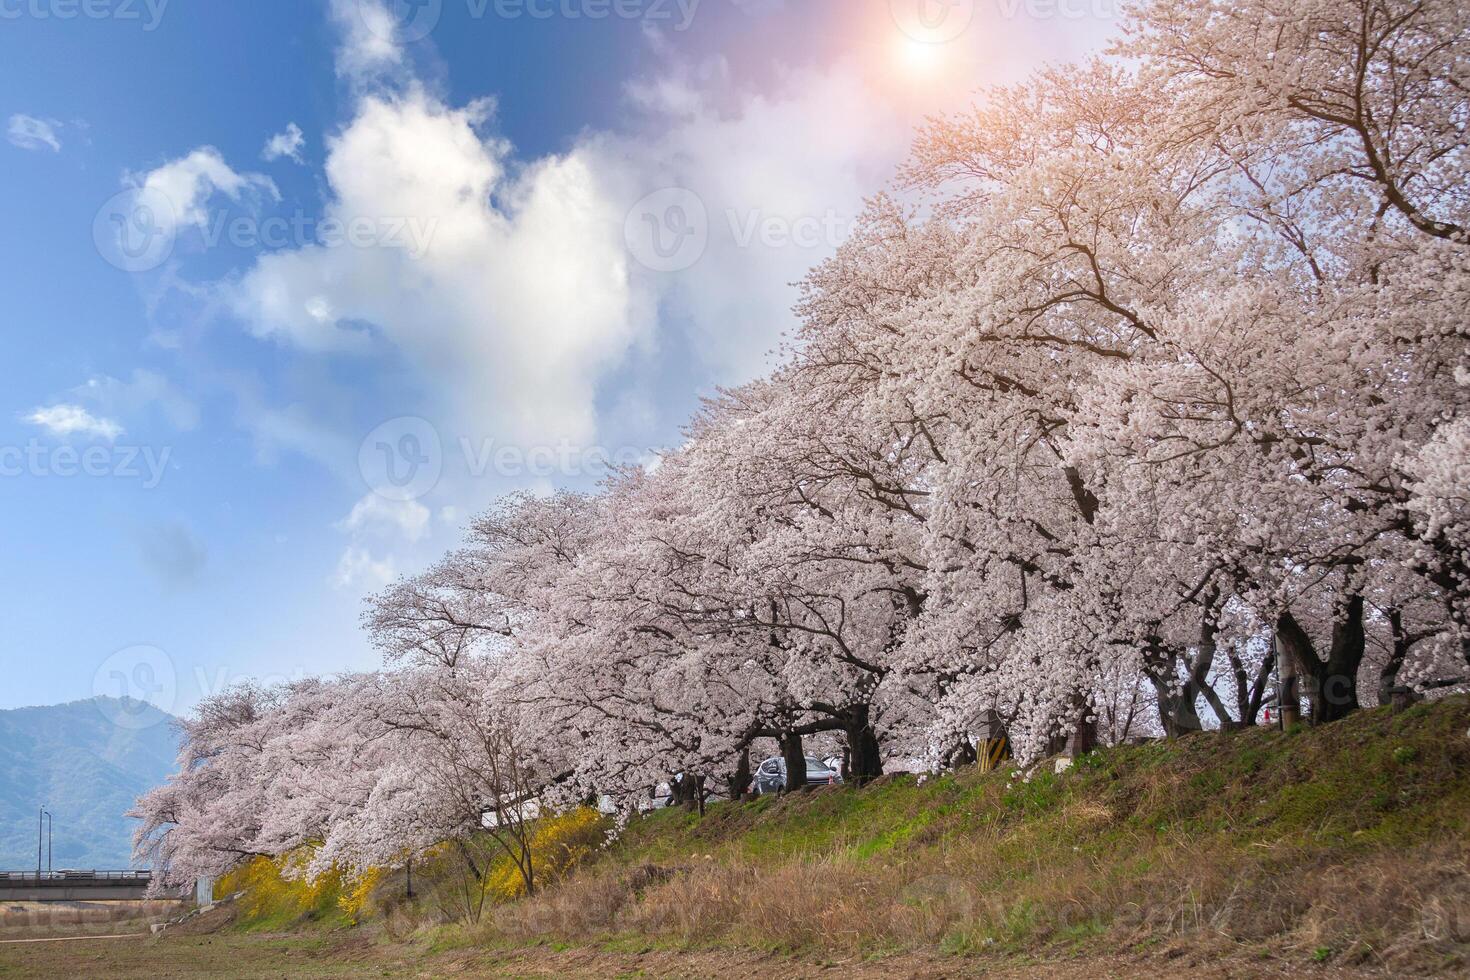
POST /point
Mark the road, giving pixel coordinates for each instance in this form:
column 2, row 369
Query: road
column 73, row 939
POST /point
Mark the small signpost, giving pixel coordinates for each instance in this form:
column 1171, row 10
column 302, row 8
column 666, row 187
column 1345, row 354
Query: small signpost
column 991, row 743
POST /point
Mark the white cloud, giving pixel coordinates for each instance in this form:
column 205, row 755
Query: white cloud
column 188, row 183
column 523, row 297
column 378, row 516
column 68, row 420
column 358, row 570
column 523, row 301
column 784, row 168
column 782, row 176
column 293, row 429
column 519, row 298
column 30, row 133
column 287, row 144
column 369, row 39
column 144, row 392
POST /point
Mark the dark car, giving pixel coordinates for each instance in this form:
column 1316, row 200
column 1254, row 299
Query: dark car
column 770, row 777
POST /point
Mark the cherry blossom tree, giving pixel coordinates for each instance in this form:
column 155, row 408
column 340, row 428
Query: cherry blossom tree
column 1139, row 405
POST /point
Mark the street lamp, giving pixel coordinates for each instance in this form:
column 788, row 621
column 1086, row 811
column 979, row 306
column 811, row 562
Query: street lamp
column 43, row 826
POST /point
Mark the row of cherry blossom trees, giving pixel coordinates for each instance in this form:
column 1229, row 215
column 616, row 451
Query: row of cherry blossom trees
column 1138, row 407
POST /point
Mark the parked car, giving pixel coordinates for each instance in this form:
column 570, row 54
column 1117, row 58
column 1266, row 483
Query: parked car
column 661, row 796
column 770, row 776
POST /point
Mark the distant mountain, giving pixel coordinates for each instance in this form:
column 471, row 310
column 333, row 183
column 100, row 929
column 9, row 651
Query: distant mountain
column 87, row 762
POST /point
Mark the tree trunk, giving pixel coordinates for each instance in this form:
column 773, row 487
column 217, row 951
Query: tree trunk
column 865, row 755
column 1204, row 662
column 1077, row 733
column 1452, row 574
column 962, row 753
column 527, row 869
column 1337, row 687
column 469, row 860
column 1186, row 710
column 1249, row 695
column 794, row 755
column 739, row 782
column 1289, row 636
column 682, row 791
column 1389, row 689
column 1332, row 683
column 1177, row 714
column 1084, row 727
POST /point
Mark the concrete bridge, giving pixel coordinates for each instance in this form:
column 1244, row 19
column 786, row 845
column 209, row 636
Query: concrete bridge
column 74, row 886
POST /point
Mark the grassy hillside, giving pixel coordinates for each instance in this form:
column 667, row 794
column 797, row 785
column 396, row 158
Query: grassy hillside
column 88, row 769
column 1344, row 845
column 1318, row 852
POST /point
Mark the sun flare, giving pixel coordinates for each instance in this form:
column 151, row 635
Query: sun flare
column 916, row 57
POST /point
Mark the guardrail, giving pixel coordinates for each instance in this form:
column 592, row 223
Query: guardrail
column 32, row 879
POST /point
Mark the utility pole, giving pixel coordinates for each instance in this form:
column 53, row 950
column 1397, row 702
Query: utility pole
column 40, row 823
column 50, row 826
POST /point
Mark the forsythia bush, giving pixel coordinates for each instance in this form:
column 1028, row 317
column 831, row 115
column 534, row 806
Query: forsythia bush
column 354, row 898
column 560, row 843
column 277, row 891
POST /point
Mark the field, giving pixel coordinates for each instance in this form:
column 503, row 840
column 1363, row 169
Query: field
column 233, row 954
column 35, row 920
column 1339, row 851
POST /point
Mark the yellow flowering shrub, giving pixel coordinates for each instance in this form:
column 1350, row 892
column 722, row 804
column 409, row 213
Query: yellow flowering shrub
column 354, row 899
column 558, row 844
column 277, row 892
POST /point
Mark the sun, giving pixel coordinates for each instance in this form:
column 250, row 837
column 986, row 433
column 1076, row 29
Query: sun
column 915, row 57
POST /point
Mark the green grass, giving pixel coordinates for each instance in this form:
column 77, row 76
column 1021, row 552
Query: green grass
column 1378, row 779
column 1324, row 845
column 275, row 905
column 323, row 916
column 1169, row 835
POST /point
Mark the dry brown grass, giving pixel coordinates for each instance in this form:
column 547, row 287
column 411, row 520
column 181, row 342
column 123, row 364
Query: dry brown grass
column 1411, row 911
column 1323, row 846
column 1343, row 848
column 42, row 920
column 829, row 903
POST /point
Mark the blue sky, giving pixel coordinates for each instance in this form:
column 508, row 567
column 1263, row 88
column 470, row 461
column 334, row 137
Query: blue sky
column 294, row 287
